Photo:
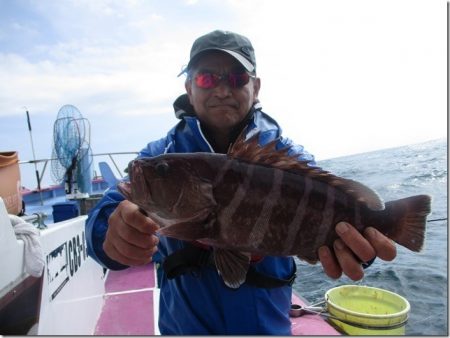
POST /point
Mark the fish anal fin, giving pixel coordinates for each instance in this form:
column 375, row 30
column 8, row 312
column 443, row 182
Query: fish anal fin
column 232, row 266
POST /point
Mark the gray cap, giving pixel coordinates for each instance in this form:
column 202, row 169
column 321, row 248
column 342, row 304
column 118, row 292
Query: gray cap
column 234, row 44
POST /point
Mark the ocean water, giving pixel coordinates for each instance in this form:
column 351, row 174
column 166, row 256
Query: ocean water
column 419, row 277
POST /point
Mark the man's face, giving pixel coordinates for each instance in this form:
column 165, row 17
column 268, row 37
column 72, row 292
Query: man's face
column 223, row 107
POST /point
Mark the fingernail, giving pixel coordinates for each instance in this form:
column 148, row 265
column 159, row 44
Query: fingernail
column 338, row 245
column 323, row 252
column 371, row 232
column 341, row 228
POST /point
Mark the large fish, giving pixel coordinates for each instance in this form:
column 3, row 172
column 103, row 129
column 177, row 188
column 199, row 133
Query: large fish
column 259, row 200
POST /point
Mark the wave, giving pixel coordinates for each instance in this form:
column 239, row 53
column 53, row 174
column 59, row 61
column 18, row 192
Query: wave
column 419, row 277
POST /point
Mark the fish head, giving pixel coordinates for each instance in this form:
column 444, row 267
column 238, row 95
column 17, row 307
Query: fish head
column 170, row 188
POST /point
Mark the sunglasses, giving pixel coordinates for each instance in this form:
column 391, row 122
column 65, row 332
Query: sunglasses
column 209, row 80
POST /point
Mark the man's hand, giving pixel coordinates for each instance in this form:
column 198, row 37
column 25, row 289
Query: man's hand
column 353, row 248
column 130, row 239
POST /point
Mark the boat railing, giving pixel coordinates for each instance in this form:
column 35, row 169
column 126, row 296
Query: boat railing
column 110, row 155
column 45, row 162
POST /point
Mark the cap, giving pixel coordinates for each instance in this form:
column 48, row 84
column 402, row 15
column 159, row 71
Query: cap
column 234, row 44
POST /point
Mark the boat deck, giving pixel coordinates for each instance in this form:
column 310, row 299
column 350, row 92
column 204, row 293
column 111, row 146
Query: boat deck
column 310, row 324
column 122, row 302
column 129, row 291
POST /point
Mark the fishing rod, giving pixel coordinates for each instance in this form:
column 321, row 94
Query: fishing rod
column 34, row 157
column 437, row 219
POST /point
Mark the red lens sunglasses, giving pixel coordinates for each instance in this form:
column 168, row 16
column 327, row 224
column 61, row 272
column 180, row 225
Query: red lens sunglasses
column 209, row 80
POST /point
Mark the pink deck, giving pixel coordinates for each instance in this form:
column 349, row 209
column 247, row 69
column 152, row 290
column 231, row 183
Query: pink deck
column 310, row 324
column 129, row 307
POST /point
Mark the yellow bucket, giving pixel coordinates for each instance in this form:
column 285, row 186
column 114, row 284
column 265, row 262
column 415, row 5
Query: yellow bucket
column 364, row 310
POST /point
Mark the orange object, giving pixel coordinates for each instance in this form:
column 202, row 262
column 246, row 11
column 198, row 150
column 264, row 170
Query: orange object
column 10, row 182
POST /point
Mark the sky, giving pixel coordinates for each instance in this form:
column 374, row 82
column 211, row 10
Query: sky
column 340, row 77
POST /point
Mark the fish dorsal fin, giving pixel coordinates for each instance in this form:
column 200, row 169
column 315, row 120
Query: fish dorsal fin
column 251, row 151
column 361, row 192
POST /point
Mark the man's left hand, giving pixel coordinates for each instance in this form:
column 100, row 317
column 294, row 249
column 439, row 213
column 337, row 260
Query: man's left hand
column 353, row 248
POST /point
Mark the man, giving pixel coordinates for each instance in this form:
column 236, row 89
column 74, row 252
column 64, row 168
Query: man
column 221, row 100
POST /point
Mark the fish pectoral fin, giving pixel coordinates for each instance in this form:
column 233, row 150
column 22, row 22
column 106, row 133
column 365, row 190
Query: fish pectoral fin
column 232, row 266
column 189, row 229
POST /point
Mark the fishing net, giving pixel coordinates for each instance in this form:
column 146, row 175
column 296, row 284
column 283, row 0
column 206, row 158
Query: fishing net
column 71, row 146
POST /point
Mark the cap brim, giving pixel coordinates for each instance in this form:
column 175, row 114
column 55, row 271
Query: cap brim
column 247, row 64
column 242, row 60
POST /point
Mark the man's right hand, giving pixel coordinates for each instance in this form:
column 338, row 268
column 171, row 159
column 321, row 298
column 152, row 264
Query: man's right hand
column 130, row 239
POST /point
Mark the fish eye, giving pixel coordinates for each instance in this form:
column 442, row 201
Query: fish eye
column 162, row 169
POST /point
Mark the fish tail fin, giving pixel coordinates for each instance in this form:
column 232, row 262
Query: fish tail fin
column 408, row 218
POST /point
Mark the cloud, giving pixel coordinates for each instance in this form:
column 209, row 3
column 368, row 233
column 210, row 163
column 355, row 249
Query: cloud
column 339, row 76
column 94, row 76
column 119, row 56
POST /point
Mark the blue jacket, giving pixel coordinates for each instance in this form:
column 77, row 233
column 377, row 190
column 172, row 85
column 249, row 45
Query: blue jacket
column 202, row 304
